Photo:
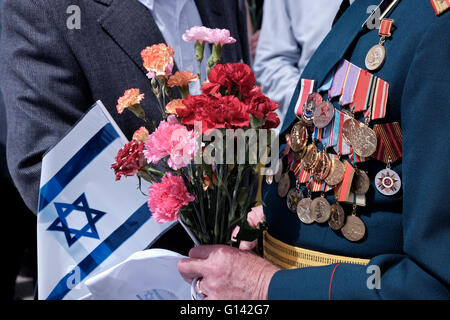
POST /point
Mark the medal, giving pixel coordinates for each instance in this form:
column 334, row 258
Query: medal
column 320, row 209
column 284, row 185
column 388, row 182
column 360, row 183
column 293, row 198
column 354, row 228
column 362, row 92
column 304, row 211
column 336, row 172
column 323, row 114
column 337, row 217
column 377, row 54
column 299, row 137
column 310, row 157
column 349, row 128
column 279, row 170
column 312, row 102
column 389, row 150
column 322, row 167
column 364, row 141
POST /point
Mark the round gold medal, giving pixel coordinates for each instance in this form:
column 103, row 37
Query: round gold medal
column 349, row 128
column 322, row 167
column 364, row 141
column 309, row 160
column 336, row 173
column 375, row 57
column 299, row 136
column 354, row 229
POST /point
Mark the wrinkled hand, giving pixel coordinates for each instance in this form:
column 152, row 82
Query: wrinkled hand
column 228, row 273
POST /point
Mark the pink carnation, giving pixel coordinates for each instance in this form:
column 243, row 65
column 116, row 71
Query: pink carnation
column 256, row 216
column 196, row 33
column 165, row 199
column 203, row 34
column 174, row 140
column 220, row 36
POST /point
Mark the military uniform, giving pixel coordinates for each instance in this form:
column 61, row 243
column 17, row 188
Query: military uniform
column 407, row 235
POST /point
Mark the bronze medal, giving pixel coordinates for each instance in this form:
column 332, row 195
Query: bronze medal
column 354, row 229
column 364, row 141
column 299, row 137
column 360, row 183
column 375, row 57
column 311, row 103
column 320, row 210
column 293, row 198
column 336, row 173
column 279, row 170
column 304, row 211
column 349, row 128
column 322, row 167
column 309, row 160
column 284, row 185
column 323, row 114
column 337, row 217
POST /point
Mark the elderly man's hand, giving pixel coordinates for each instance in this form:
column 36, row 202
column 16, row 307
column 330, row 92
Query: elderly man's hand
column 228, row 273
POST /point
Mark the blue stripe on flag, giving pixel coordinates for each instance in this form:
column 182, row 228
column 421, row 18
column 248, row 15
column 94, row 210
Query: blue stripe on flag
column 104, row 250
column 76, row 164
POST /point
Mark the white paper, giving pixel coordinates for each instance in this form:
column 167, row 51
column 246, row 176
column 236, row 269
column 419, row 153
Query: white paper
column 146, row 275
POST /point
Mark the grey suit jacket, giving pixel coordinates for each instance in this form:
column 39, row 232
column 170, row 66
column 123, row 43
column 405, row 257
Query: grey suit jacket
column 51, row 75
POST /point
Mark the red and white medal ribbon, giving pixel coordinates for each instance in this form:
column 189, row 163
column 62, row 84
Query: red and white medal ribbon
column 341, row 147
column 306, row 88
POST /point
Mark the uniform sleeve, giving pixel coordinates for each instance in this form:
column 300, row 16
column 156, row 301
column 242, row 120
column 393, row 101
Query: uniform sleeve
column 422, row 272
column 277, row 55
column 42, row 88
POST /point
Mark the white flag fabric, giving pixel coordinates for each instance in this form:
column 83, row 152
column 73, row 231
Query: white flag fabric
column 87, row 221
column 146, row 275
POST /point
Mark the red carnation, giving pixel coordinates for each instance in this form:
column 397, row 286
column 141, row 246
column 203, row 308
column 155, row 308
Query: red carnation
column 233, row 77
column 260, row 106
column 272, row 121
column 129, row 159
column 214, row 112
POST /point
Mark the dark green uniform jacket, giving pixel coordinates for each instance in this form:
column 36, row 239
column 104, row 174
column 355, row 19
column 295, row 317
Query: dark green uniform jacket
column 408, row 235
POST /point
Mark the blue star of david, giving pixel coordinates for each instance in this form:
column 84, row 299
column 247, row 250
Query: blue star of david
column 73, row 235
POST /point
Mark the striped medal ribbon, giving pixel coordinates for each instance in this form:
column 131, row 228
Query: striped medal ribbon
column 306, row 88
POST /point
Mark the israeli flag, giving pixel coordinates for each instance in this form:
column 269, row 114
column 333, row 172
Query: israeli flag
column 87, row 221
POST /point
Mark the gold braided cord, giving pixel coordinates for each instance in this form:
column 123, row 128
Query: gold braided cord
column 290, row 257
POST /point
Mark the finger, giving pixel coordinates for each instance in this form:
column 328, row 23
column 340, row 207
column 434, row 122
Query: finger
column 191, row 268
column 202, row 252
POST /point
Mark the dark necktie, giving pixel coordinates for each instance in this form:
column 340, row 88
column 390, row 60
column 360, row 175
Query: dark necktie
column 344, row 6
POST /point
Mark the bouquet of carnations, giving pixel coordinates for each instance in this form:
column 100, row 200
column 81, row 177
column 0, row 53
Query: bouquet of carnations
column 203, row 159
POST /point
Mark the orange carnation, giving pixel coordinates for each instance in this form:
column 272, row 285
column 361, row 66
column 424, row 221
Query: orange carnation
column 141, row 135
column 158, row 60
column 173, row 105
column 182, row 79
column 130, row 98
